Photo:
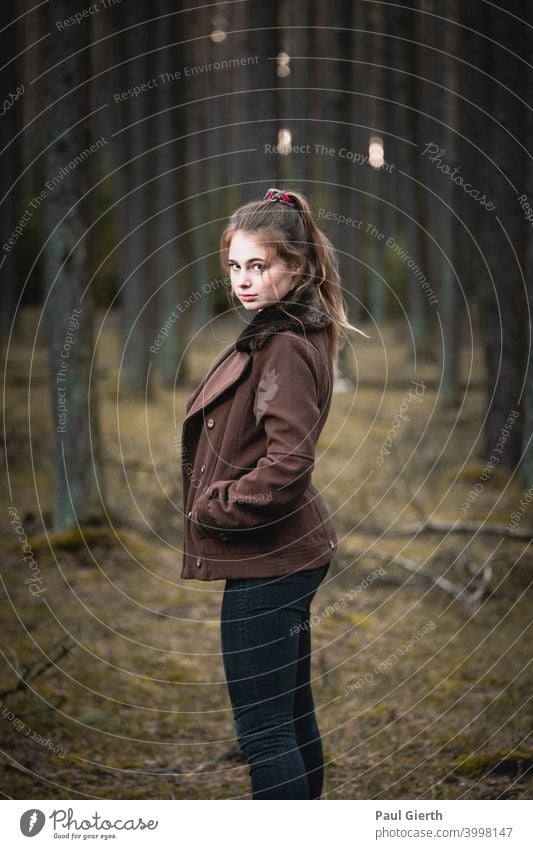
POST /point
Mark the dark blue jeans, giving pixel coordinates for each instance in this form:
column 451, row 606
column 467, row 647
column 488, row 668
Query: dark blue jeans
column 266, row 647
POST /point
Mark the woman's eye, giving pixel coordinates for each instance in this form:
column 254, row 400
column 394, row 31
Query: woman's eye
column 257, row 266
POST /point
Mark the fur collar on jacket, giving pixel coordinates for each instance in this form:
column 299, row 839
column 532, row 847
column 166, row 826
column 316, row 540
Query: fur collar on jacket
column 301, row 312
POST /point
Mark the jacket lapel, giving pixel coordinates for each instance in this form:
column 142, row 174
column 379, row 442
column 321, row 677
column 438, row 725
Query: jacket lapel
column 218, row 379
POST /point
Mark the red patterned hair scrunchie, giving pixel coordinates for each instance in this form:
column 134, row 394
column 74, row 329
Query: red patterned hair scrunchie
column 281, row 197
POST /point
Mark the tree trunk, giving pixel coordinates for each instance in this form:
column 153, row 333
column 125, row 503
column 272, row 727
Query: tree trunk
column 377, row 230
column 404, row 155
column 355, row 281
column 138, row 308
column 445, row 205
column 469, row 140
column 261, row 105
column 295, row 95
column 526, row 468
column 169, row 189
column 198, row 118
column 12, row 93
column 419, row 64
column 505, row 301
column 334, row 174
column 68, row 311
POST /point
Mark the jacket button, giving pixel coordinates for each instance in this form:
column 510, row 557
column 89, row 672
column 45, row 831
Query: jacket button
column 198, row 562
column 332, row 543
column 223, row 537
column 211, row 422
column 189, row 514
column 202, row 470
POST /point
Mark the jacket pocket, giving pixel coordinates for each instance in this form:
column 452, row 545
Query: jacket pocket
column 259, row 540
column 201, row 530
column 215, row 538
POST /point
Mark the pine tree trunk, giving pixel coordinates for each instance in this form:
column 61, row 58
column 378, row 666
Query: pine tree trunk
column 137, row 306
column 169, row 189
column 198, row 118
column 376, row 210
column 526, row 187
column 445, row 205
column 262, row 108
column 505, row 301
column 404, row 157
column 11, row 101
column 69, row 311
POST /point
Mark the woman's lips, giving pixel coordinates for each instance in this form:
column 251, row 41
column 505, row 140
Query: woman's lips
column 247, row 297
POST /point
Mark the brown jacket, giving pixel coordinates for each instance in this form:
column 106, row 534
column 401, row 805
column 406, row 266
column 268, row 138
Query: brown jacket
column 248, row 449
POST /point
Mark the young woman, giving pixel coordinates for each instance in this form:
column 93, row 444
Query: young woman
column 253, row 516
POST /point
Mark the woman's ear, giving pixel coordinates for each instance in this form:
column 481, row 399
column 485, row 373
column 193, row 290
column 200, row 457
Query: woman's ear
column 297, row 266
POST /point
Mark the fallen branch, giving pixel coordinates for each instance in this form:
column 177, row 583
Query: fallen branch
column 27, row 673
column 479, row 578
column 460, row 591
column 435, row 526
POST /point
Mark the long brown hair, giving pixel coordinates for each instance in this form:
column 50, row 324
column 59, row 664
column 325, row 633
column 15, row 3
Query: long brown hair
column 292, row 234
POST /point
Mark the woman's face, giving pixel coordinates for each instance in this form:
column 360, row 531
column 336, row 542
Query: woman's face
column 254, row 281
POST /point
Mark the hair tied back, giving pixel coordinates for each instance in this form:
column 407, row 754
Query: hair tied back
column 281, row 197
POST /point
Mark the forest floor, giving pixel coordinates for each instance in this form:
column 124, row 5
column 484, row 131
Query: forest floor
column 124, row 694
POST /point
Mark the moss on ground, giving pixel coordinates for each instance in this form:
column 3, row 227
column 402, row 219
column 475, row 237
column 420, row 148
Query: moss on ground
column 517, row 762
